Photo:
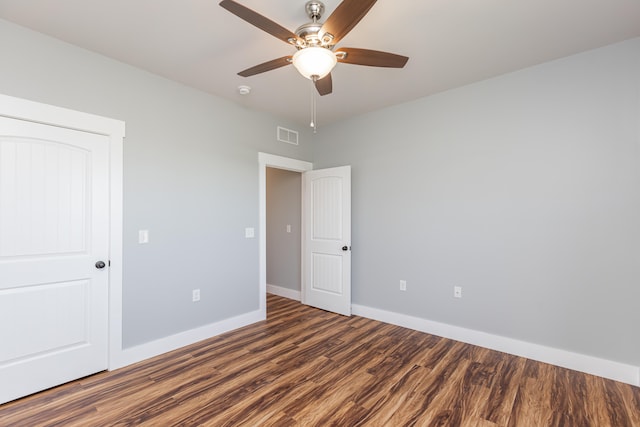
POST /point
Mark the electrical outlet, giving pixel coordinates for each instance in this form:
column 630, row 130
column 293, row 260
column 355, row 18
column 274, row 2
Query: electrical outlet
column 403, row 285
column 195, row 295
column 457, row 291
column 143, row 236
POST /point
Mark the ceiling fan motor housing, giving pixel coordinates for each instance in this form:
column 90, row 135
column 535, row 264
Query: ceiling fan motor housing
column 310, row 32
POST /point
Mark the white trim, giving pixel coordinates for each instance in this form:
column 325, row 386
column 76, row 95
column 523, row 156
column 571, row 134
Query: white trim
column 284, row 292
column 269, row 160
column 579, row 362
column 173, row 342
column 22, row 109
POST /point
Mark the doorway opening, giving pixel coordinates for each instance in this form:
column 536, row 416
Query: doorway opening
column 284, row 234
column 270, row 161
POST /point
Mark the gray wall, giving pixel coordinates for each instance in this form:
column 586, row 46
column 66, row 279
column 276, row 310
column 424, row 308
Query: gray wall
column 190, row 178
column 523, row 189
column 284, row 207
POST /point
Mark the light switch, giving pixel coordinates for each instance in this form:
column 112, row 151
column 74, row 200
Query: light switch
column 288, row 228
column 249, row 233
column 143, row 236
column 457, row 291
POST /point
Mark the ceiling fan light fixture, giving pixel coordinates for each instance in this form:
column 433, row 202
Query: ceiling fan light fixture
column 314, row 62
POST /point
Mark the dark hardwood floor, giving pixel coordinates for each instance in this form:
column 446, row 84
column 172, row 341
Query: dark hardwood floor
column 307, row 367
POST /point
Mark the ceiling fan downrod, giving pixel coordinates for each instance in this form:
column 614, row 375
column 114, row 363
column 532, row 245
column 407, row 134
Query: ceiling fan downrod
column 314, row 9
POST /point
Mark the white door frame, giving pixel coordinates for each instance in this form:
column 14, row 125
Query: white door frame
column 22, row 109
column 270, row 161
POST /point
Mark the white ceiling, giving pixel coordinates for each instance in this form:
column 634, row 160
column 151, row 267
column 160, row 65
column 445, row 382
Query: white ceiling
column 450, row 43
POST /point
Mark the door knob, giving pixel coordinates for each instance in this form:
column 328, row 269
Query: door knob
column 100, row 265
column 345, row 248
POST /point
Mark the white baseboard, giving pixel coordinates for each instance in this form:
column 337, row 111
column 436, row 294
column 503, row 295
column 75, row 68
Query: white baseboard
column 141, row 352
column 578, row 362
column 284, row 292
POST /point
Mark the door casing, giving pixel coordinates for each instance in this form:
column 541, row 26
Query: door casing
column 278, row 162
column 266, row 160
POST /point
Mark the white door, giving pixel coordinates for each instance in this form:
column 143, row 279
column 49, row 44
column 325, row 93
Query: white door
column 327, row 239
column 54, row 228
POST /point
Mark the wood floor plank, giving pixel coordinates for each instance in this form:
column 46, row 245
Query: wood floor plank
column 617, row 410
column 438, row 399
column 401, row 392
column 259, row 407
column 501, row 374
column 476, row 387
column 308, row 367
column 631, row 396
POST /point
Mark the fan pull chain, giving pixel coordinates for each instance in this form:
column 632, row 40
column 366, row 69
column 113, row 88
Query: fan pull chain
column 314, row 107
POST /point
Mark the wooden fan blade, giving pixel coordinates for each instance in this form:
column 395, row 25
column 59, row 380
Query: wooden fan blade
column 345, row 17
column 324, row 85
column 266, row 66
column 254, row 18
column 372, row 58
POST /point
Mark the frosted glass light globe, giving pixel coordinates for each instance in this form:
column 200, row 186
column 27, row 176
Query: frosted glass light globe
column 314, row 61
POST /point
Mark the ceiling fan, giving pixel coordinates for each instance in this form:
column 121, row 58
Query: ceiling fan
column 315, row 42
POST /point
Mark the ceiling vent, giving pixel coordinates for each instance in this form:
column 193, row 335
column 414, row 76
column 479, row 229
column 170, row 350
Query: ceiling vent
column 287, row 135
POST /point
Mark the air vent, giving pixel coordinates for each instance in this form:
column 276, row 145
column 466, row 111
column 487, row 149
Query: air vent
column 287, row 135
